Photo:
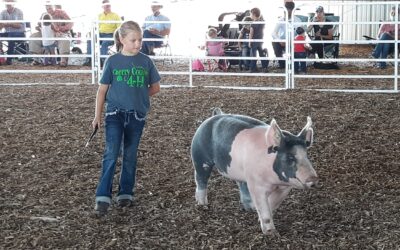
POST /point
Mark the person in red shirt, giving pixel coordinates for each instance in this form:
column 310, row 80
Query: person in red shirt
column 300, row 51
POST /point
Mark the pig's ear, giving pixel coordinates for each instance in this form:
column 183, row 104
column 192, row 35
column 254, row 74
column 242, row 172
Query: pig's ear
column 307, row 133
column 217, row 111
column 273, row 137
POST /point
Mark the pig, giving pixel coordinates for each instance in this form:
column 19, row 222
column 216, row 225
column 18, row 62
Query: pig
column 265, row 161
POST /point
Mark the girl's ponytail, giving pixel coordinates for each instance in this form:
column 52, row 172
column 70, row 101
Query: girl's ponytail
column 118, row 43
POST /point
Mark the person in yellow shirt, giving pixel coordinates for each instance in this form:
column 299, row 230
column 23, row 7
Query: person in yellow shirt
column 106, row 30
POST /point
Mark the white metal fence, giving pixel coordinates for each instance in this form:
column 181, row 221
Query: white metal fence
column 289, row 78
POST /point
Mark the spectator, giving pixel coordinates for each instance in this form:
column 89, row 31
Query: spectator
column 48, row 45
column 244, row 45
column 61, row 29
column 300, row 51
column 215, row 48
column 155, row 30
column 12, row 30
column 279, row 32
column 257, row 32
column 106, row 30
column 386, row 33
column 321, row 32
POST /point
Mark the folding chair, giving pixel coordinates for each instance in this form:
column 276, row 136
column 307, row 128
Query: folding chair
column 165, row 50
column 20, row 47
column 332, row 50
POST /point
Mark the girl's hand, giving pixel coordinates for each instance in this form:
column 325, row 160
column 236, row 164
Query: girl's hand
column 96, row 123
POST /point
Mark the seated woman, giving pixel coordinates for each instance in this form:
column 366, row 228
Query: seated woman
column 386, row 32
column 321, row 32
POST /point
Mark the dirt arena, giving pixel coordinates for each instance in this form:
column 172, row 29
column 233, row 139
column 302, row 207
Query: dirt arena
column 48, row 177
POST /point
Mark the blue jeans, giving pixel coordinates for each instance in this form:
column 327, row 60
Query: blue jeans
column 104, row 44
column 148, row 46
column 253, row 52
column 121, row 127
column 382, row 49
column 11, row 44
column 245, row 62
column 278, row 50
column 301, row 65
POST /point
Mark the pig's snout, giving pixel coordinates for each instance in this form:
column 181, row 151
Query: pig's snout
column 313, row 182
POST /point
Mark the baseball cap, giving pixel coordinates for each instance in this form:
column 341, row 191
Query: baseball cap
column 156, row 3
column 105, row 2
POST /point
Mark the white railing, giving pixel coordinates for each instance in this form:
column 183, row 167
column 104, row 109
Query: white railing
column 290, row 78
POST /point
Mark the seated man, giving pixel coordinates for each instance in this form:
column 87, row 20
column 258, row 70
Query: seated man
column 12, row 29
column 106, row 30
column 61, row 29
column 386, row 33
column 321, row 32
column 154, row 30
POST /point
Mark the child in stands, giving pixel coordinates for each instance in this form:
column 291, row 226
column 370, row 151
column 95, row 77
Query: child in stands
column 300, row 51
column 48, row 44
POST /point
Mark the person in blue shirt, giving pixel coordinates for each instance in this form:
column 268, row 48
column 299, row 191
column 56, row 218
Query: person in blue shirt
column 12, row 30
column 279, row 32
column 129, row 79
column 155, row 30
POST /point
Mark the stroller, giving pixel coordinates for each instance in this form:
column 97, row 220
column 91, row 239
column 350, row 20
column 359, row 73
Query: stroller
column 228, row 32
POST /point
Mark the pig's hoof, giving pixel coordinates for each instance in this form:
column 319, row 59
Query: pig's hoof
column 272, row 233
column 202, row 201
column 247, row 208
column 201, row 197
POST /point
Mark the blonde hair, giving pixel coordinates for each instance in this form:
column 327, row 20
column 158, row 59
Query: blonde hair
column 212, row 32
column 125, row 28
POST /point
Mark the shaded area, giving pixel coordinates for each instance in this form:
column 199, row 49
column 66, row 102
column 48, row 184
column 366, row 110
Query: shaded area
column 48, row 178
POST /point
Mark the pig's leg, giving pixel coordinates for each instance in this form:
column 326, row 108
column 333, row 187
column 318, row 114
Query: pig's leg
column 202, row 174
column 277, row 196
column 245, row 197
column 259, row 195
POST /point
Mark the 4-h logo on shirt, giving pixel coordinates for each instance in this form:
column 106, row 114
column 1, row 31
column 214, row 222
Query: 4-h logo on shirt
column 134, row 77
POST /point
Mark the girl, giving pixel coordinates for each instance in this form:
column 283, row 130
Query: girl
column 128, row 79
column 215, row 48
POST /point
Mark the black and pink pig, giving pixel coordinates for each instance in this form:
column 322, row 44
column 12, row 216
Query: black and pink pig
column 264, row 160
